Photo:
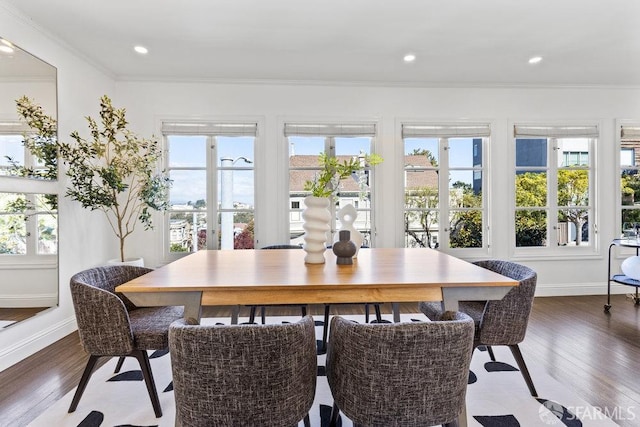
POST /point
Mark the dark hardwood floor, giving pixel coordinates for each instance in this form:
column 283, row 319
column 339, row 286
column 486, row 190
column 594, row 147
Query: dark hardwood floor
column 594, row 354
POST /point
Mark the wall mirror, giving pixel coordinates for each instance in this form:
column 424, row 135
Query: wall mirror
column 28, row 213
column 22, row 74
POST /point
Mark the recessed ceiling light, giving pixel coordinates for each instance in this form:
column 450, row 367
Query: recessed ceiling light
column 6, row 49
column 410, row 57
column 141, row 49
column 535, row 59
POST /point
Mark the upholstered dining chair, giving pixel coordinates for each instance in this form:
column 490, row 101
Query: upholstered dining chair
column 252, row 309
column 502, row 322
column 243, row 375
column 400, row 374
column 111, row 325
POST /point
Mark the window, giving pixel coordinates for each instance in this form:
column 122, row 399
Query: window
column 212, row 196
column 29, row 224
column 630, row 180
column 554, row 200
column 444, row 184
column 344, row 141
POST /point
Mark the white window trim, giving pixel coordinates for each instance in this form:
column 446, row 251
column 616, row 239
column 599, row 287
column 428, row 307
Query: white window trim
column 283, row 199
column 162, row 235
column 592, row 251
column 487, row 214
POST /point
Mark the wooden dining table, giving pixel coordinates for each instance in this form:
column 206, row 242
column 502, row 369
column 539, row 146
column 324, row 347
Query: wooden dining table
column 280, row 276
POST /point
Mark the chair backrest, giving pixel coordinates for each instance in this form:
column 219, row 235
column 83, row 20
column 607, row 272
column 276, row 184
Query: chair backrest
column 504, row 322
column 243, row 375
column 101, row 314
column 282, row 247
column 400, row 374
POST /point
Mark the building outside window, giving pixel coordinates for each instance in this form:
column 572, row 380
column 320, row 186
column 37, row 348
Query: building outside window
column 630, row 180
column 444, row 182
column 553, row 184
column 212, row 196
column 344, row 141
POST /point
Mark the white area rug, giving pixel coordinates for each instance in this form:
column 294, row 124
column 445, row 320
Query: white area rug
column 5, row 323
column 497, row 398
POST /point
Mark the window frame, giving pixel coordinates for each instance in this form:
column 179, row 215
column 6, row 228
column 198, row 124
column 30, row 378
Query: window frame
column 212, row 170
column 444, row 168
column 330, row 149
column 553, row 250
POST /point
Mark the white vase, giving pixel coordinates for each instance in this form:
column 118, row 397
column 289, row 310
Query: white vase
column 316, row 224
column 136, row 262
column 347, row 216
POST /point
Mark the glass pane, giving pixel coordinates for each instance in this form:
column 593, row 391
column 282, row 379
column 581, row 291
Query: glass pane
column 531, row 228
column 465, row 189
column 235, row 151
column 236, row 189
column 573, row 188
column 531, row 189
column 189, row 188
column 531, row 152
column 573, row 152
column 187, row 151
column 421, row 152
column 629, row 152
column 47, row 233
column 306, row 146
column 465, row 152
column 236, row 230
column 187, row 230
column 573, row 227
column 421, row 228
column 352, row 146
column 630, row 187
column 11, row 146
column 465, row 229
column 630, row 222
column 13, row 234
column 421, row 184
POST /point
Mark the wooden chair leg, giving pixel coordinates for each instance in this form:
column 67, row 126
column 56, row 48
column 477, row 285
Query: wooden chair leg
column 325, row 328
column 252, row 314
column 307, row 421
column 119, row 364
column 303, row 310
column 263, row 314
column 490, row 351
column 143, row 359
column 366, row 313
column 453, row 423
column 335, row 413
column 515, row 350
column 88, row 370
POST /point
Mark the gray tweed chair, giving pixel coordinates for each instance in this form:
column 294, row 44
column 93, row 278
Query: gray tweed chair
column 243, row 375
column 110, row 325
column 502, row 322
column 400, row 374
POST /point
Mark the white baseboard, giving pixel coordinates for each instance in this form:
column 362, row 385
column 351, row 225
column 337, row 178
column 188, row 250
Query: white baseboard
column 28, row 300
column 21, row 350
column 574, row 289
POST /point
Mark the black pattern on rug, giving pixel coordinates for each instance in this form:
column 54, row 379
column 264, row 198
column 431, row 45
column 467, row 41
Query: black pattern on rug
column 488, row 404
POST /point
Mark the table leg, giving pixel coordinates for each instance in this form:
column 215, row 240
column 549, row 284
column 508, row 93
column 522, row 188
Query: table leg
column 395, row 307
column 235, row 313
column 452, row 296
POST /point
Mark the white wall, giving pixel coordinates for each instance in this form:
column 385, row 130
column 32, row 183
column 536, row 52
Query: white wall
column 148, row 102
column 84, row 238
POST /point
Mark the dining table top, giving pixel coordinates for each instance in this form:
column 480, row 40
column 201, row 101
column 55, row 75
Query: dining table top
column 271, row 271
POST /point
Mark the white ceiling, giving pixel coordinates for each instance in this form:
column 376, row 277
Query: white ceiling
column 457, row 42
